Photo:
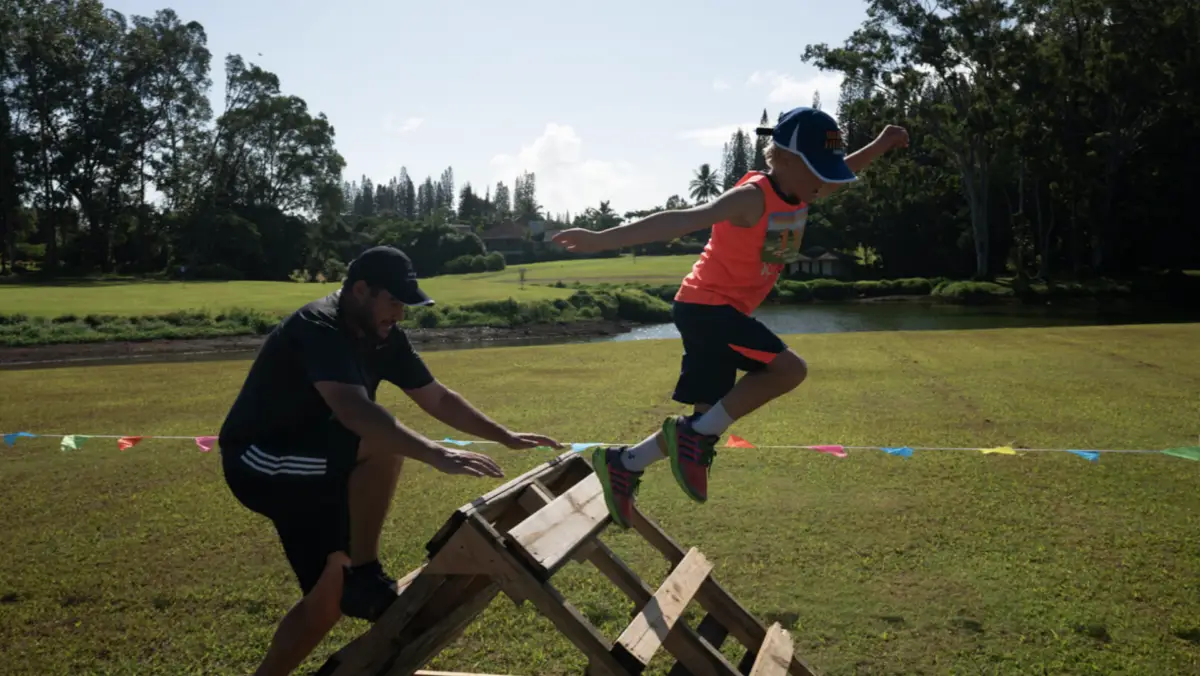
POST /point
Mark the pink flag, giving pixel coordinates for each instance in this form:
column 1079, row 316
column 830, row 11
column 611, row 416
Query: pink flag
column 837, row 451
column 206, row 443
column 737, row 442
column 126, row 443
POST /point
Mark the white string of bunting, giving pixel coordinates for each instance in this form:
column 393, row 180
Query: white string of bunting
column 74, row 442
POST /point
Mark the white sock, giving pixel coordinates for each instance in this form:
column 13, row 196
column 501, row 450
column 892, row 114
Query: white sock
column 643, row 455
column 713, row 422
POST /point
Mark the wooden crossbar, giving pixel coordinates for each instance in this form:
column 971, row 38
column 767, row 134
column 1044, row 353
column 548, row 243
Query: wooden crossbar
column 643, row 637
column 513, row 540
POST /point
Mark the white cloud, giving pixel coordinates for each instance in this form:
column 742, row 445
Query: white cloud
column 716, row 137
column 791, row 91
column 781, row 92
column 404, row 126
column 567, row 180
column 720, row 85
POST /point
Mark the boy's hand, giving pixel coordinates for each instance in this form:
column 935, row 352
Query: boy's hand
column 580, row 240
column 893, row 137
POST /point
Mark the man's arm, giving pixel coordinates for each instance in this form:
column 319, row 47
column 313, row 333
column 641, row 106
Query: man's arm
column 742, row 206
column 366, row 418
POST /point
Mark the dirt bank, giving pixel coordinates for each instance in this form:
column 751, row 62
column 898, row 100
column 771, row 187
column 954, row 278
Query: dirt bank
column 423, row 338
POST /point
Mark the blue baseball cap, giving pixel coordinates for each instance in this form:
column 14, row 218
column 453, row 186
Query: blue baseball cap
column 816, row 138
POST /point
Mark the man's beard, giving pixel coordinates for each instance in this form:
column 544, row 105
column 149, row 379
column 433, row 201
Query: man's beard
column 366, row 323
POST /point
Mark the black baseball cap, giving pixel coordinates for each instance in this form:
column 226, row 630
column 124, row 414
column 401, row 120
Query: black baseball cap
column 386, row 267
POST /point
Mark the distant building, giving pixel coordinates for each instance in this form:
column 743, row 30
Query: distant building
column 508, row 238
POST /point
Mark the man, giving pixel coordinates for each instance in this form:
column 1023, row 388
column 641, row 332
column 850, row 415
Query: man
column 306, row 445
column 757, row 227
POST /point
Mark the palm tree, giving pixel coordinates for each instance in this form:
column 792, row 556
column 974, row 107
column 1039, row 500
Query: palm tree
column 705, row 185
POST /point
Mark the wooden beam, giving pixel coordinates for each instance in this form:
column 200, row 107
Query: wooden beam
column 495, row 501
column 416, row 650
column 775, row 657
column 372, row 647
column 520, row 582
column 713, row 633
column 547, row 539
column 713, row 597
column 645, row 635
column 684, row 644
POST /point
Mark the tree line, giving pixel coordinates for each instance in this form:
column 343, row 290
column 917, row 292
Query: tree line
column 1049, row 138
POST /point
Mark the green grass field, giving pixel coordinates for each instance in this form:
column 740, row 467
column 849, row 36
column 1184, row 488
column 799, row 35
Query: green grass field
column 650, row 269
column 151, row 297
column 145, row 297
column 140, row 562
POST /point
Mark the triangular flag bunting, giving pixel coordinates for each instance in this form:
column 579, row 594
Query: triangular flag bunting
column 1090, row 456
column 834, row 450
column 999, row 450
column 11, row 438
column 903, row 451
column 1186, row 452
column 579, row 448
column 72, row 442
column 737, row 442
column 448, row 440
column 206, row 443
column 126, row 443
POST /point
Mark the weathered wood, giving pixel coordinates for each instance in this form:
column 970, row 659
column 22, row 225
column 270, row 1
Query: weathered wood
column 682, row 642
column 372, row 647
column 713, row 597
column 550, row 603
column 416, row 651
column 646, row 634
column 547, row 539
column 490, row 504
column 775, row 657
column 713, row 633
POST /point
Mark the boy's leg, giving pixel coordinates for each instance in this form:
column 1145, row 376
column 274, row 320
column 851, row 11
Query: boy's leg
column 706, row 372
column 772, row 370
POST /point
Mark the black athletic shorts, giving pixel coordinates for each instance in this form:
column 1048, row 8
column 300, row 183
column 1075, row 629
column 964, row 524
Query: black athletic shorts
column 302, row 487
column 719, row 341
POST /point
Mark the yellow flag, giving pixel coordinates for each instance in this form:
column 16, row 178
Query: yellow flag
column 1000, row 450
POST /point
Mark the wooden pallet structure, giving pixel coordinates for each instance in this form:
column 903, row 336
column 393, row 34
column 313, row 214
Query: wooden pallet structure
column 513, row 540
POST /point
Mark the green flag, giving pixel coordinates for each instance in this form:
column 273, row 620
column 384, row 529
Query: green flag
column 1186, row 452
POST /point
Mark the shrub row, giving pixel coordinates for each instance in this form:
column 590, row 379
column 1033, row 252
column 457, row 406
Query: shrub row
column 628, row 304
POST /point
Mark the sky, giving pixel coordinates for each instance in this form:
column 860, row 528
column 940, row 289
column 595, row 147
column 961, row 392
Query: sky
column 621, row 100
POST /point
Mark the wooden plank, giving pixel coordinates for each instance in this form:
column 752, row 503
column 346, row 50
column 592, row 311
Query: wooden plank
column 713, row 633
column 548, row 538
column 645, row 635
column 417, row 651
column 683, row 643
column 372, row 646
column 775, row 657
column 496, row 500
column 519, row 581
column 713, row 597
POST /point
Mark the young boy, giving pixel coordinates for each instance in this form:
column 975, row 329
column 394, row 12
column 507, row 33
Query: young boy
column 757, row 227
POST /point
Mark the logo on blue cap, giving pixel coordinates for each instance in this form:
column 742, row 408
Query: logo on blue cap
column 816, row 138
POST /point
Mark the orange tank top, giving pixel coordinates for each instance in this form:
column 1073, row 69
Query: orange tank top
column 739, row 265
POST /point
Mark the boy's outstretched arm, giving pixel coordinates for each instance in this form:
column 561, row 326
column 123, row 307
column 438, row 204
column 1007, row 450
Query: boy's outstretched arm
column 891, row 137
column 741, row 206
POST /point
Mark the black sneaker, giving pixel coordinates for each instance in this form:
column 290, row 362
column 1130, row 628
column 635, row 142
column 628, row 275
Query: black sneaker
column 367, row 592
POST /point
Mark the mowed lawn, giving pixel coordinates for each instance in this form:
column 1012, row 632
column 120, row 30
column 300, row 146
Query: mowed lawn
column 140, row 562
column 651, row 269
column 148, row 297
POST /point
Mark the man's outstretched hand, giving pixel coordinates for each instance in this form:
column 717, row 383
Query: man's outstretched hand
column 525, row 440
column 579, row 240
column 466, row 462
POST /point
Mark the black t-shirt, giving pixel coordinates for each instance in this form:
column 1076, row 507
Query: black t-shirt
column 278, row 403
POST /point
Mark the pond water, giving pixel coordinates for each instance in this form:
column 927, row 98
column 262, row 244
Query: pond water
column 920, row 316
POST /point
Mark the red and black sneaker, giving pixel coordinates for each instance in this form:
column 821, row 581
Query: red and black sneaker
column 620, row 484
column 691, row 455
